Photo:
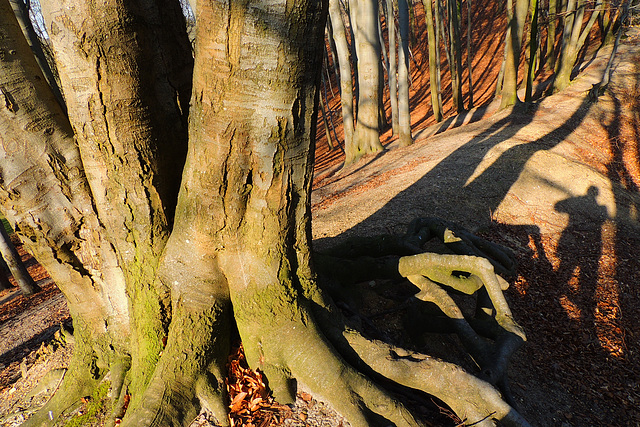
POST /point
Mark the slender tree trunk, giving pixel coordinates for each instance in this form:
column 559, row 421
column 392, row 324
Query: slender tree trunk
column 382, row 113
column 21, row 10
column 550, row 62
column 456, row 55
column 346, row 86
column 513, row 48
column 366, row 138
column 393, row 69
column 333, row 50
column 469, row 55
column 434, row 61
column 404, row 115
column 325, row 120
column 15, row 265
column 533, row 50
column 351, row 12
column 573, row 38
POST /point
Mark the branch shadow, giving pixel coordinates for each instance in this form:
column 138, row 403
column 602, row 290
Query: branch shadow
column 463, row 189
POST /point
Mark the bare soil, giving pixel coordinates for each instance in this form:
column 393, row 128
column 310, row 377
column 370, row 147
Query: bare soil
column 557, row 181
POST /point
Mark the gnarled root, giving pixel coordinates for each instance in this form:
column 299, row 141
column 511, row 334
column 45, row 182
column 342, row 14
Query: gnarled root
column 475, row 401
column 296, row 351
column 490, row 336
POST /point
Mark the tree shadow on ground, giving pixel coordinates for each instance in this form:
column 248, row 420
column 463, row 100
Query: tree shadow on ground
column 567, row 301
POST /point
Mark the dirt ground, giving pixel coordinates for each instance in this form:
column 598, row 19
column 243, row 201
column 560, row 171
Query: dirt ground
column 556, row 181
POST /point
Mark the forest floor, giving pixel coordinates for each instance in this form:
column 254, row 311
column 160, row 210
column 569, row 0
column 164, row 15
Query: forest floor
column 557, row 181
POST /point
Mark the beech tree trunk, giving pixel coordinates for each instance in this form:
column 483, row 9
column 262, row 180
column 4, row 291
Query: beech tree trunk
column 434, row 60
column 404, row 115
column 573, row 38
column 393, row 67
column 517, row 13
column 367, row 134
column 346, row 84
column 167, row 235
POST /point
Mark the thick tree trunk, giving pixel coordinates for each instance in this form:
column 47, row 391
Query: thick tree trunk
column 155, row 295
column 44, row 192
column 128, row 90
column 367, row 136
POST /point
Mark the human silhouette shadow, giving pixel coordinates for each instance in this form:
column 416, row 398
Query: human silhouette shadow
column 580, row 248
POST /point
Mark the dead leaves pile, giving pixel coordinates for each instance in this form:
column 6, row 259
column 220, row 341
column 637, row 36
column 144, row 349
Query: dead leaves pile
column 251, row 403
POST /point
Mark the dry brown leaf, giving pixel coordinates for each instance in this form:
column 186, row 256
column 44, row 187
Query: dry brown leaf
column 236, row 403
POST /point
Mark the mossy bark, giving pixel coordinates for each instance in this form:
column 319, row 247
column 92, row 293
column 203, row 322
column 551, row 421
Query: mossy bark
column 155, row 295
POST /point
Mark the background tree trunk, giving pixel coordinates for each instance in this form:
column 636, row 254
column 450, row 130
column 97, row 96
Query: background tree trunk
column 550, row 61
column 469, row 56
column 393, row 68
column 346, row 85
column 15, row 265
column 456, row 54
column 573, row 38
column 404, row 115
column 534, row 42
column 434, row 61
column 517, row 13
column 366, row 138
column 21, row 10
column 4, row 275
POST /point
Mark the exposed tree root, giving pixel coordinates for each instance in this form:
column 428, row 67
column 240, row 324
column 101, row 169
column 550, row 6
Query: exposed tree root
column 475, row 401
column 189, row 374
column 302, row 354
column 490, row 336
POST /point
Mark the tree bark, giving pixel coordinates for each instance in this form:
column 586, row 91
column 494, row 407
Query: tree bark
column 346, row 85
column 4, row 275
column 404, row 114
column 517, row 13
column 15, row 265
column 157, row 282
column 469, row 56
column 456, row 54
column 573, row 38
column 533, row 50
column 393, row 67
column 367, row 136
column 550, row 61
